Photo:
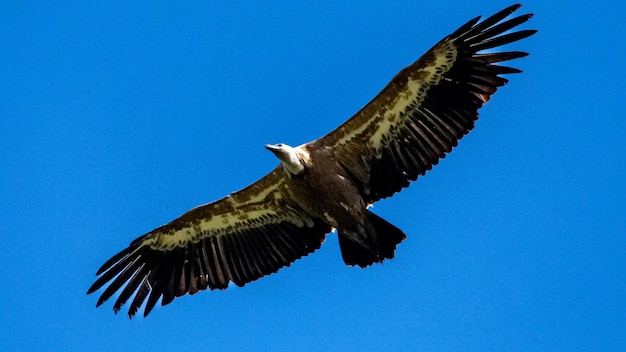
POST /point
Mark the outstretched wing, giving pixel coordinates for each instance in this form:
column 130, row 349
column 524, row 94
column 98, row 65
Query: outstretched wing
column 240, row 238
column 426, row 108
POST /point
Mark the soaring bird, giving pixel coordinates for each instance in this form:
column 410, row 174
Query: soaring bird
column 325, row 184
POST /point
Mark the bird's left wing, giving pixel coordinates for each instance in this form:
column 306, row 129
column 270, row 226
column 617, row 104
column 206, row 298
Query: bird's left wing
column 426, row 108
column 240, row 238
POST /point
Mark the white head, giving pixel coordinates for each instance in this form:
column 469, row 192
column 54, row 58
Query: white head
column 289, row 156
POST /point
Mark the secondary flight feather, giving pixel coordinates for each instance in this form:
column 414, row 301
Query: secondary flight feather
column 325, row 184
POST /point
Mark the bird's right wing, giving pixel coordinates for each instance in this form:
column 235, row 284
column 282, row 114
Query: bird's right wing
column 240, row 238
column 427, row 107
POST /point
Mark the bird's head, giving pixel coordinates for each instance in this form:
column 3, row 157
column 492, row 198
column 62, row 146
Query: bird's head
column 289, row 156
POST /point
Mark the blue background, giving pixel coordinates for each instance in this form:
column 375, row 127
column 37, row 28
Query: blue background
column 116, row 118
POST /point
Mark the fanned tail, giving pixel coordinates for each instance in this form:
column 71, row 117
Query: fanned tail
column 382, row 240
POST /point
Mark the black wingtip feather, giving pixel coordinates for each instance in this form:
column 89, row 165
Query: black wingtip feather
column 502, row 40
column 491, row 58
column 492, row 20
column 466, row 27
column 114, row 259
column 140, row 297
column 501, row 28
column 130, row 288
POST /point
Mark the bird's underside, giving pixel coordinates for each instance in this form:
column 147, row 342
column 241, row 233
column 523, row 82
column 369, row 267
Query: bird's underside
column 328, row 183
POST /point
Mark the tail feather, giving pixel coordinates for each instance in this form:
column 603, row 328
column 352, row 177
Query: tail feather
column 355, row 254
column 381, row 243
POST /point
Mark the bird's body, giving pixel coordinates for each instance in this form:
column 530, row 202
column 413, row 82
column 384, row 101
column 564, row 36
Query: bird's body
column 326, row 190
column 325, row 184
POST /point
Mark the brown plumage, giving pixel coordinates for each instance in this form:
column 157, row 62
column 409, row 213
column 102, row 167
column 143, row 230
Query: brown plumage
column 327, row 183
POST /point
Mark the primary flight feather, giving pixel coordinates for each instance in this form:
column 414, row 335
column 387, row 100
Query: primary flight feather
column 325, row 184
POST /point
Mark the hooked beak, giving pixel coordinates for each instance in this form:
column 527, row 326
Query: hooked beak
column 272, row 147
column 288, row 156
column 276, row 150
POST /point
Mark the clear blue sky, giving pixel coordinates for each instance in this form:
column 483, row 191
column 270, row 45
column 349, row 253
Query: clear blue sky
column 117, row 118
